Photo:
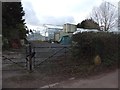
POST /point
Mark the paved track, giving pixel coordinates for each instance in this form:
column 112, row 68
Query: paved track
column 108, row 80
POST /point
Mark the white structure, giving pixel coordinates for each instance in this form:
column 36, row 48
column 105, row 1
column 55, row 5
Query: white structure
column 116, row 31
column 59, row 35
column 85, row 30
column 69, row 28
column 51, row 29
column 80, row 30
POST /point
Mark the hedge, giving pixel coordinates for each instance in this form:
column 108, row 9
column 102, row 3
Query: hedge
column 90, row 44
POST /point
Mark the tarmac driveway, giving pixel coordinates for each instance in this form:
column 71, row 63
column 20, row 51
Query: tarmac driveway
column 106, row 80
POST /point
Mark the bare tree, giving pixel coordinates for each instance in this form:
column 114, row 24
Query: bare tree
column 119, row 15
column 105, row 15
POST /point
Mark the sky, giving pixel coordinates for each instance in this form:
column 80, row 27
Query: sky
column 58, row 12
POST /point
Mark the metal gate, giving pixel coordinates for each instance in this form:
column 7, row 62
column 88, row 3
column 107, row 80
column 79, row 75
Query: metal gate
column 14, row 60
column 37, row 53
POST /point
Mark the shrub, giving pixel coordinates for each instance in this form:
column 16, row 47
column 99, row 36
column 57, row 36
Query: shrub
column 90, row 44
column 5, row 44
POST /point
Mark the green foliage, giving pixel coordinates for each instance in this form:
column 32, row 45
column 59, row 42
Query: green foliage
column 13, row 26
column 90, row 44
column 88, row 24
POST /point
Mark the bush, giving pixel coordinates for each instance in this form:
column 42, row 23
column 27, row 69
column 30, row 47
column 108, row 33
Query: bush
column 91, row 44
column 5, row 44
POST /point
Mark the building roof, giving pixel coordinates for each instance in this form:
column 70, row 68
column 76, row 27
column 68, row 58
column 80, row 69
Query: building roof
column 85, row 30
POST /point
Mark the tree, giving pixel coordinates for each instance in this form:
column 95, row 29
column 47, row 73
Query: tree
column 88, row 24
column 13, row 26
column 105, row 15
column 31, row 31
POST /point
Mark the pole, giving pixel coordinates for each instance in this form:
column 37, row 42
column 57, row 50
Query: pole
column 26, row 55
column 30, row 59
column 34, row 56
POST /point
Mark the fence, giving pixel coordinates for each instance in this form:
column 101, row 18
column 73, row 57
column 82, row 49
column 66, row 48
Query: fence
column 33, row 55
column 14, row 60
column 39, row 53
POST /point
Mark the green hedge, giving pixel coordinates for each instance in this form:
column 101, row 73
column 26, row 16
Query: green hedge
column 90, row 44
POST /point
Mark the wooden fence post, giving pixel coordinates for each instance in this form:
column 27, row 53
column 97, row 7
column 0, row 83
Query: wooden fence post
column 34, row 57
column 30, row 58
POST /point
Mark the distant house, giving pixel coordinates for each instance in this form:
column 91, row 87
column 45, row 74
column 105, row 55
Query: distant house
column 51, row 32
column 59, row 35
column 51, row 29
column 68, row 30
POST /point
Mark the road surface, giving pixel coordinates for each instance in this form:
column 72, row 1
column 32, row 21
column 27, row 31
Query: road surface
column 106, row 80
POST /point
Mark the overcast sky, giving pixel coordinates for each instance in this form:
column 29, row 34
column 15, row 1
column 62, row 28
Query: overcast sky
column 58, row 12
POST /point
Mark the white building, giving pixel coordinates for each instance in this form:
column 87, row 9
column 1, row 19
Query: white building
column 51, row 29
column 69, row 28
